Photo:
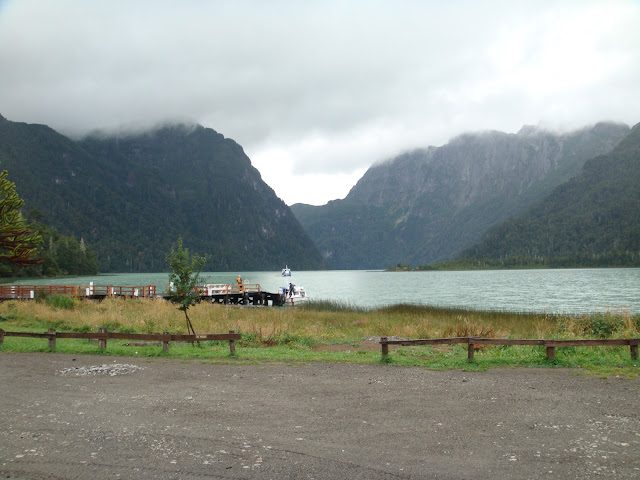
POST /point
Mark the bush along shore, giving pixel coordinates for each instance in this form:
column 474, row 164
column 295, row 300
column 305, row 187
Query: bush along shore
column 325, row 331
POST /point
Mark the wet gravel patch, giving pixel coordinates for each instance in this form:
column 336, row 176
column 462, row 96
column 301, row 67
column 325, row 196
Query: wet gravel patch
column 111, row 369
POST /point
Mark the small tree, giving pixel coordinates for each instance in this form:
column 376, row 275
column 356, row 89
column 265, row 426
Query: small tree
column 18, row 241
column 184, row 272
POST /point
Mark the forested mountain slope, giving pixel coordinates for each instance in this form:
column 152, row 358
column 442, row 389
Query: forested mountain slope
column 593, row 219
column 429, row 204
column 131, row 196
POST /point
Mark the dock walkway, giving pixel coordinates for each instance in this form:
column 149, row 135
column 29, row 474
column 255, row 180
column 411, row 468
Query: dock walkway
column 228, row 294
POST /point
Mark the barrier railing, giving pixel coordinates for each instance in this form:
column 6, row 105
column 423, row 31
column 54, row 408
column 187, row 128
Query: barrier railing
column 550, row 345
column 103, row 335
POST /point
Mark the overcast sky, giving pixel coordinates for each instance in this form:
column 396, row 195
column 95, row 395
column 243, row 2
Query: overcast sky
column 318, row 91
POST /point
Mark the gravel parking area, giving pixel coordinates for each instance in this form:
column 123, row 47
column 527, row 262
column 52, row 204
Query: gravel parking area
column 99, row 417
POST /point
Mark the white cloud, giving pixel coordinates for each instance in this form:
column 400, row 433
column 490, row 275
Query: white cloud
column 316, row 188
column 331, row 87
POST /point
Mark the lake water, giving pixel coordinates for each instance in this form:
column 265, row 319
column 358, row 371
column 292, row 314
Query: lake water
column 550, row 291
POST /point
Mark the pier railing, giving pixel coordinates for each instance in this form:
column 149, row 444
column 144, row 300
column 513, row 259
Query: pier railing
column 236, row 294
column 474, row 343
column 226, row 289
column 91, row 290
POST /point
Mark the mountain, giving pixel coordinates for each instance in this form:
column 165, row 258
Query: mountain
column 131, row 196
column 428, row 205
column 593, row 219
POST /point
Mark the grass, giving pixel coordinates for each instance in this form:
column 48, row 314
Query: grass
column 297, row 334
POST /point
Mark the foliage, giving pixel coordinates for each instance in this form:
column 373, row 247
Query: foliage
column 601, row 325
column 184, row 273
column 60, row 301
column 110, row 326
column 428, row 205
column 130, row 196
column 592, row 220
column 323, row 326
column 60, row 254
column 18, row 241
column 301, row 335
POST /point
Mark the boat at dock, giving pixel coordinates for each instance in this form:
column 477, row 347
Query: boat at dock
column 292, row 294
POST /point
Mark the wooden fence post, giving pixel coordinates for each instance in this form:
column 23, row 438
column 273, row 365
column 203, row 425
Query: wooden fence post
column 165, row 345
column 52, row 338
column 232, row 344
column 385, row 346
column 633, row 347
column 102, row 342
column 1, row 336
column 551, row 353
column 470, row 351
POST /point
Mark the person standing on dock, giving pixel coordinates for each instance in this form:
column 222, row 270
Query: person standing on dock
column 240, row 285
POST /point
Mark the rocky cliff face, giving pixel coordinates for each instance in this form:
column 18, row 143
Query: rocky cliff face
column 591, row 220
column 473, row 166
column 428, row 204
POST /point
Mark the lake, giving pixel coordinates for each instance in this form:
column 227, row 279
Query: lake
column 547, row 291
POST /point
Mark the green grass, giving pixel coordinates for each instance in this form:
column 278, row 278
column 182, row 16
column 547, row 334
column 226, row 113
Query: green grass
column 601, row 361
column 296, row 335
column 60, row 301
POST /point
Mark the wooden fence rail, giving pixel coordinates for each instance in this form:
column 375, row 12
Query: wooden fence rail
column 474, row 342
column 103, row 335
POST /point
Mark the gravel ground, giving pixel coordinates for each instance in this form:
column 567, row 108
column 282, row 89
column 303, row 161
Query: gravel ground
column 98, row 417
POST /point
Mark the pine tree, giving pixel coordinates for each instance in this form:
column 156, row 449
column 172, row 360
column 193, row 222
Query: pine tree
column 18, row 240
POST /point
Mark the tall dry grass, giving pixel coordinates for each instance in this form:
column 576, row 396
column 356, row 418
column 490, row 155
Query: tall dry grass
column 322, row 324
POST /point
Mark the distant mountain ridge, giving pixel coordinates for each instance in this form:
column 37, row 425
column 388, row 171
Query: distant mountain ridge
column 130, row 197
column 429, row 204
column 591, row 220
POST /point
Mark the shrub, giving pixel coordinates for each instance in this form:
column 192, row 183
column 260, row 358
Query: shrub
column 56, row 325
column 149, row 325
column 601, row 325
column 467, row 328
column 60, row 301
column 82, row 329
column 110, row 326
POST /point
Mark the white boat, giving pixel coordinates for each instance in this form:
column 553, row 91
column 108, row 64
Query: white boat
column 292, row 293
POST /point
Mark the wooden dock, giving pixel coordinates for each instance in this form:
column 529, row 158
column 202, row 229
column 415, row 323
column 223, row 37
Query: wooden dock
column 236, row 294
column 228, row 294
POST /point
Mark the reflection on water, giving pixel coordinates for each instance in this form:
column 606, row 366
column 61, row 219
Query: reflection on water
column 552, row 291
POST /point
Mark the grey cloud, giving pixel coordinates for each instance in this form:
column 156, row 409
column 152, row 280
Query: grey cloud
column 334, row 75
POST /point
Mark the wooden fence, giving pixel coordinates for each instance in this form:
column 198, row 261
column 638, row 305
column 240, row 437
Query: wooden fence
column 103, row 335
column 474, row 342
